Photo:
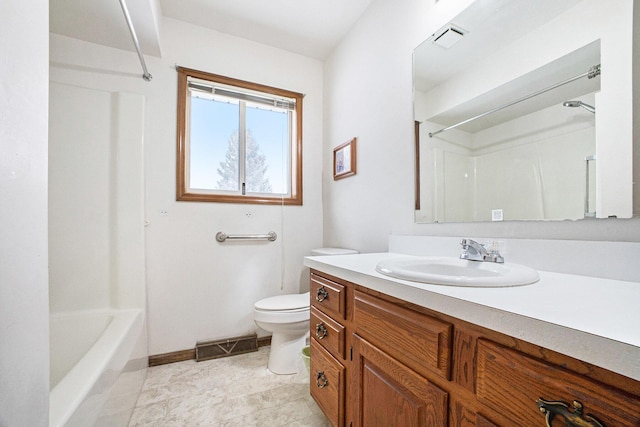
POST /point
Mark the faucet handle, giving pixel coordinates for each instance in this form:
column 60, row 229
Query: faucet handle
column 493, row 254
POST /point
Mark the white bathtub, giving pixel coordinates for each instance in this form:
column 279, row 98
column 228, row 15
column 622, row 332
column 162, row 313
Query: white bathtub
column 97, row 369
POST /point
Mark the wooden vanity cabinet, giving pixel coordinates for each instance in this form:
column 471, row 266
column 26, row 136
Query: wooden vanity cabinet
column 380, row 361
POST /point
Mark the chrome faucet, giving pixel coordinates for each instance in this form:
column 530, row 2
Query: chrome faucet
column 474, row 251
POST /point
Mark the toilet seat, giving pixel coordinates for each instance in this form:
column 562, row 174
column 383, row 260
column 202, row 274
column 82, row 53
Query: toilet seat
column 288, row 303
column 291, row 308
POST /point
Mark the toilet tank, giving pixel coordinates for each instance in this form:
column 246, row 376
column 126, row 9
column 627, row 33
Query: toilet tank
column 333, row 251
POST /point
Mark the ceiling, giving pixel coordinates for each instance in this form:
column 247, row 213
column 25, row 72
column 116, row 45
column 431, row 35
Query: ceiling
column 308, row 27
column 489, row 26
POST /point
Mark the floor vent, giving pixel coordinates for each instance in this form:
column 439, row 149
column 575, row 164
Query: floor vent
column 207, row 350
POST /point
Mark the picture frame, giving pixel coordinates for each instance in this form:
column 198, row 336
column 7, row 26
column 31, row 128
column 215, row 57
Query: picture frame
column 344, row 160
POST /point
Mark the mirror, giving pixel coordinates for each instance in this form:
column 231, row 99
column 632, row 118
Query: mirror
column 514, row 120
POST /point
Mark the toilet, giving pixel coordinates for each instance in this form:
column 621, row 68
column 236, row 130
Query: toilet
column 287, row 318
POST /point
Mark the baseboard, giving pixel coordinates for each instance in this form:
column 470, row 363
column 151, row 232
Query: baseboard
column 174, row 356
column 182, row 355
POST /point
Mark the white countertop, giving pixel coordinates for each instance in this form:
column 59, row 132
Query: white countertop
column 592, row 319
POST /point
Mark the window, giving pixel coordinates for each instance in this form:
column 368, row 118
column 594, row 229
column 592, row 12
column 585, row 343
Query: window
column 238, row 142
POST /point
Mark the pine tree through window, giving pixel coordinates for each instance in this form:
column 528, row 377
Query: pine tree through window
column 238, row 142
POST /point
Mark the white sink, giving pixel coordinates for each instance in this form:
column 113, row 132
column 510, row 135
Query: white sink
column 457, row 272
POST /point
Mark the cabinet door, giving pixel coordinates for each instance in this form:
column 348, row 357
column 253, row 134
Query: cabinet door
column 483, row 422
column 387, row 393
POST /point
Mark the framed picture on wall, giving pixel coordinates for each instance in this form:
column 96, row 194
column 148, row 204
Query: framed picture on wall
column 344, row 160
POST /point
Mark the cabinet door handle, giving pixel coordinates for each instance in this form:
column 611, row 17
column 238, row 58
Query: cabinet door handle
column 321, row 331
column 321, row 380
column 571, row 419
column 322, row 294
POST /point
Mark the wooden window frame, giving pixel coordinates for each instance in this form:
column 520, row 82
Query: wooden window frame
column 183, row 193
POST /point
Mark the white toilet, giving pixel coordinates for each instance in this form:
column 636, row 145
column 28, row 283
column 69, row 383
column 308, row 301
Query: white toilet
column 287, row 318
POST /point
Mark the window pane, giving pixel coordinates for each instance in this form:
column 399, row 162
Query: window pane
column 214, row 153
column 268, row 165
column 237, row 141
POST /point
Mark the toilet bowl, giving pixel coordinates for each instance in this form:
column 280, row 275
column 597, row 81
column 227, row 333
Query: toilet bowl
column 287, row 318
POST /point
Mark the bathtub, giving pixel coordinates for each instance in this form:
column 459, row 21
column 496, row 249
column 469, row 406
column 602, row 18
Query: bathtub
column 97, row 367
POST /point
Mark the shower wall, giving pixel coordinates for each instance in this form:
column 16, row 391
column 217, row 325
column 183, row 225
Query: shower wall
column 532, row 167
column 538, row 161
column 96, row 230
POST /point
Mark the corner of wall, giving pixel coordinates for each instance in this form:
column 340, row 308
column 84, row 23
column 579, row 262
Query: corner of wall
column 636, row 108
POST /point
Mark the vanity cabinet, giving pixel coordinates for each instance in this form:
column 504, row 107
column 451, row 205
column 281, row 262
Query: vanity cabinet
column 380, row 361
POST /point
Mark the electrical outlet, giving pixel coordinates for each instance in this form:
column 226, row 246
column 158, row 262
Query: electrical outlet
column 496, row 215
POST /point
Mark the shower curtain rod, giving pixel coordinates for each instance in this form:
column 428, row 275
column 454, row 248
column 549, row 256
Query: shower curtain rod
column 593, row 72
column 146, row 76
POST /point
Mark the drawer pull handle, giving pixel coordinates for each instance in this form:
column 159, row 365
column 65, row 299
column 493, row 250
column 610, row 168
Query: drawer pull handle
column 321, row 380
column 321, row 331
column 322, row 294
column 572, row 419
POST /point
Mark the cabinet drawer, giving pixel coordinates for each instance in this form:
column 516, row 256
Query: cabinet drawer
column 510, row 383
column 327, row 296
column 327, row 332
column 327, row 384
column 421, row 342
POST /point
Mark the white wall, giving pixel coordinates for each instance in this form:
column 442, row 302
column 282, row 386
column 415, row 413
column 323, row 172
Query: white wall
column 197, row 288
column 368, row 94
column 24, row 315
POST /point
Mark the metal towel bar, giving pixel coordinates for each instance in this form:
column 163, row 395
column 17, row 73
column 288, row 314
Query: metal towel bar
column 270, row 236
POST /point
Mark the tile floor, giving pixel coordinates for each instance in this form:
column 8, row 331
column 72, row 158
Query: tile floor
column 231, row 391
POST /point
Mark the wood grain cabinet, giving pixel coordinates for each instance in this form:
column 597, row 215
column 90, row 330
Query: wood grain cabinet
column 501, row 371
column 328, row 341
column 380, row 361
column 389, row 393
column 327, row 383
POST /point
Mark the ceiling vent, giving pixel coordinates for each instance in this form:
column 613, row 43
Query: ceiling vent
column 448, row 36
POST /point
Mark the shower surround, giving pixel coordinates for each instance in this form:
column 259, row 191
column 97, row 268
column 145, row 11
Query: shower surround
column 96, row 254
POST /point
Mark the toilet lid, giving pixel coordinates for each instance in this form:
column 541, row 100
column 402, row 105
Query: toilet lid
column 284, row 302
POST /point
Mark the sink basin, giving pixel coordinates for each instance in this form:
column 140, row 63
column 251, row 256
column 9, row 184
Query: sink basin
column 457, row 272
